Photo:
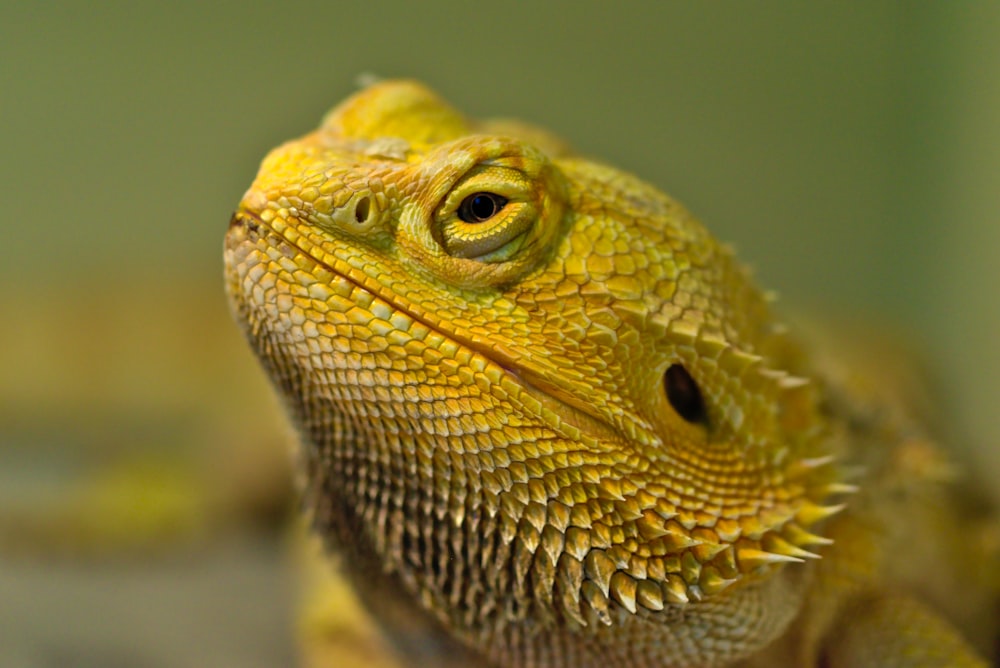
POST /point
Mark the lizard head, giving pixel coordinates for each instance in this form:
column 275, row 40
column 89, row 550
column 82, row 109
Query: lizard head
column 526, row 381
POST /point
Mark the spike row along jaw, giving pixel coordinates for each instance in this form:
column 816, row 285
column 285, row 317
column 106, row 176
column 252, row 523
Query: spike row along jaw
column 676, row 566
column 679, row 560
column 634, row 550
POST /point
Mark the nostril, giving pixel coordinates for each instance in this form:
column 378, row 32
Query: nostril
column 362, row 209
column 358, row 214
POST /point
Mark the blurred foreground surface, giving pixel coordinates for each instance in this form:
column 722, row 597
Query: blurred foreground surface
column 226, row 605
column 144, row 485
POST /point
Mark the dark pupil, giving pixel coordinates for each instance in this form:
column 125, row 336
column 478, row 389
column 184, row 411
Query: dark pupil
column 480, row 207
column 684, row 395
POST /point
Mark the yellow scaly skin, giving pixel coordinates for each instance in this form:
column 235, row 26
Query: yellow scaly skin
column 561, row 427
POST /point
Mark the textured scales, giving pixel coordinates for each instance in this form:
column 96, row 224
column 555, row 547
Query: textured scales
column 494, row 434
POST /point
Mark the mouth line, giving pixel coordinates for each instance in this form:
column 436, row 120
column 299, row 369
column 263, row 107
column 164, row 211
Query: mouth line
column 571, row 413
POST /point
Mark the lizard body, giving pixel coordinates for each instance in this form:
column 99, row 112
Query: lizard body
column 547, row 420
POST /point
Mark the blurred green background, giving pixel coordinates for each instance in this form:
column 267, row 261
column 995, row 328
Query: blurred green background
column 850, row 151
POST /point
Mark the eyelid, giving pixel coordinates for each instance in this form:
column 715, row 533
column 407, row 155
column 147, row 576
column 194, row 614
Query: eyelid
column 504, row 181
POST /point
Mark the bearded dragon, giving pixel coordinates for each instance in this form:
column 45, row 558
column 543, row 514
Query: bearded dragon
column 546, row 419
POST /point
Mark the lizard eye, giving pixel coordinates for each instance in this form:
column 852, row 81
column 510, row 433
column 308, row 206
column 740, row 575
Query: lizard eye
column 495, row 212
column 480, row 207
column 486, row 225
column 684, row 395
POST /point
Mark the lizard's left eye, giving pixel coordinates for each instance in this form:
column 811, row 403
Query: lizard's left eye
column 486, row 225
column 480, row 207
column 496, row 209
